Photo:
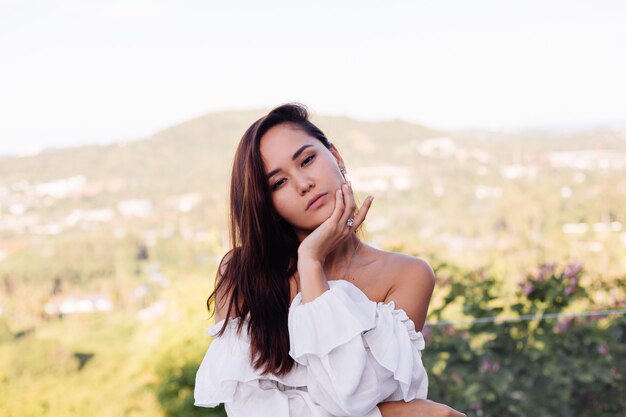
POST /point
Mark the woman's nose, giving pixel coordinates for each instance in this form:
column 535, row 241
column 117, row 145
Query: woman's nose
column 304, row 184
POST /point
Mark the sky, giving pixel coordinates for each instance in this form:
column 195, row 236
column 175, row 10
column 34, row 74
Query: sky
column 81, row 72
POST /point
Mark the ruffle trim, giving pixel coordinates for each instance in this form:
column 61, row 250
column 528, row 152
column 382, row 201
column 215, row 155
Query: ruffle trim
column 343, row 313
column 227, row 363
column 316, row 328
column 331, row 320
column 396, row 345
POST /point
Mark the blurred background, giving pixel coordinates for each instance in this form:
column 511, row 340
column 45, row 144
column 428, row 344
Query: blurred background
column 493, row 135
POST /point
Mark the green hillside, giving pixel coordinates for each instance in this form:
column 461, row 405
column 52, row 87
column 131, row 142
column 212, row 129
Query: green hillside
column 107, row 255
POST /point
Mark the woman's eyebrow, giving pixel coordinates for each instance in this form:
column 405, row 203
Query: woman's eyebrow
column 293, row 157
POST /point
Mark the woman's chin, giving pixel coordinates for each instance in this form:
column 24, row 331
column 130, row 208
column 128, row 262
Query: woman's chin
column 308, row 228
column 314, row 220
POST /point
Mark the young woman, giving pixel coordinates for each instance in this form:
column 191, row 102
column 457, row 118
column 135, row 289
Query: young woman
column 310, row 321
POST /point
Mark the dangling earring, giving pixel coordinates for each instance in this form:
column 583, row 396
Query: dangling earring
column 343, row 172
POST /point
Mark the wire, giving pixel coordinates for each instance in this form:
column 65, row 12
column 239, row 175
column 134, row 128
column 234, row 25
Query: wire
column 528, row 317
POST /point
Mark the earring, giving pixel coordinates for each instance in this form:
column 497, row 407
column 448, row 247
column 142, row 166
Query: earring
column 343, row 171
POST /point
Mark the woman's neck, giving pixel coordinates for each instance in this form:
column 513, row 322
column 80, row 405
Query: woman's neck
column 338, row 262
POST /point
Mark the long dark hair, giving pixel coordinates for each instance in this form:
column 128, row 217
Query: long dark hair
column 264, row 252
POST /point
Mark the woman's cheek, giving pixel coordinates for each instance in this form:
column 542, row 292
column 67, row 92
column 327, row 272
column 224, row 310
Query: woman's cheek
column 281, row 205
column 331, row 208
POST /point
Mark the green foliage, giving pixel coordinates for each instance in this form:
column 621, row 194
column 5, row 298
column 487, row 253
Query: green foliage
column 523, row 364
column 75, row 260
column 175, row 389
column 41, row 373
column 5, row 331
column 536, row 367
column 528, row 364
column 43, row 356
column 179, row 354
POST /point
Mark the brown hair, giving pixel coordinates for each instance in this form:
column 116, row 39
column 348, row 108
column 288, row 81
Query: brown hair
column 264, row 252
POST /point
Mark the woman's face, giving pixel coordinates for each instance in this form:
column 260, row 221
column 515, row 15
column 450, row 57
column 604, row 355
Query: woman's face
column 303, row 176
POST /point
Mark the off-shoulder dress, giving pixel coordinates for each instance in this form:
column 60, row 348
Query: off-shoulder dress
column 351, row 354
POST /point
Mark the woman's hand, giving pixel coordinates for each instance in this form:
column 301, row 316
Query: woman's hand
column 327, row 236
column 417, row 408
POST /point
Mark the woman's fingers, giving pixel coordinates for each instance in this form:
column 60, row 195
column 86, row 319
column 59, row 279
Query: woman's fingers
column 362, row 213
column 339, row 206
column 345, row 206
column 350, row 205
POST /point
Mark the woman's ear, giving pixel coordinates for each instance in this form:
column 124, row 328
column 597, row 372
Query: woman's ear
column 342, row 166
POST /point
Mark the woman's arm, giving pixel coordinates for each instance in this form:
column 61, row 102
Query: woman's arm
column 313, row 281
column 417, row 408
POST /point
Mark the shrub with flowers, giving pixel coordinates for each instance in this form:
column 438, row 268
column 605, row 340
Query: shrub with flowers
column 534, row 355
column 531, row 355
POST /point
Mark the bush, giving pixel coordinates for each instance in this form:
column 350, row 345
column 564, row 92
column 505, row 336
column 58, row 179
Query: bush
column 177, row 372
column 533, row 359
column 5, row 331
column 542, row 362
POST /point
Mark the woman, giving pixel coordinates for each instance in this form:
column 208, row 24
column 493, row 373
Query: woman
column 310, row 321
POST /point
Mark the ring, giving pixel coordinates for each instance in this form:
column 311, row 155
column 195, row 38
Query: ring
column 350, row 222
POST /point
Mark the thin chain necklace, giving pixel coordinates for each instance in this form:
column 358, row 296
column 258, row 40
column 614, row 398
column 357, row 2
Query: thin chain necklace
column 345, row 273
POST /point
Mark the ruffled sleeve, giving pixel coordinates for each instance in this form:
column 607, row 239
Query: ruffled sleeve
column 227, row 376
column 357, row 352
column 225, row 365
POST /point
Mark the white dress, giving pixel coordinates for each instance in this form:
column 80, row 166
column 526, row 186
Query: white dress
column 351, row 354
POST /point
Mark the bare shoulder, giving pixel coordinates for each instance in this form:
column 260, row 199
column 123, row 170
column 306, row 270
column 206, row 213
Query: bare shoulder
column 412, row 281
column 405, row 271
column 416, row 269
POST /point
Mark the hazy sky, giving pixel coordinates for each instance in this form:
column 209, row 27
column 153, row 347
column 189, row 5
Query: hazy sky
column 99, row 71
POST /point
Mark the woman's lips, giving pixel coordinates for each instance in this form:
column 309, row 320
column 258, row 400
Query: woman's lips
column 316, row 201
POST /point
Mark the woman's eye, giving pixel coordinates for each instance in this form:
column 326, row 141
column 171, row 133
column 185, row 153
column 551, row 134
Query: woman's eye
column 278, row 183
column 308, row 160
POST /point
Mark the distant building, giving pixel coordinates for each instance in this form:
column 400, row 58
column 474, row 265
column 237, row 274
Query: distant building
column 8, row 248
column 598, row 227
column 594, row 246
column 186, row 202
column 152, row 312
column 480, row 155
column 512, row 172
column 17, row 209
column 588, row 159
column 442, row 147
column 439, row 190
column 482, row 170
column 102, row 215
column 61, row 188
column 78, row 304
column 381, row 178
column 483, row 191
column 607, row 227
column 21, row 224
column 51, row 229
column 136, row 208
column 377, row 224
column 575, row 228
column 566, row 192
